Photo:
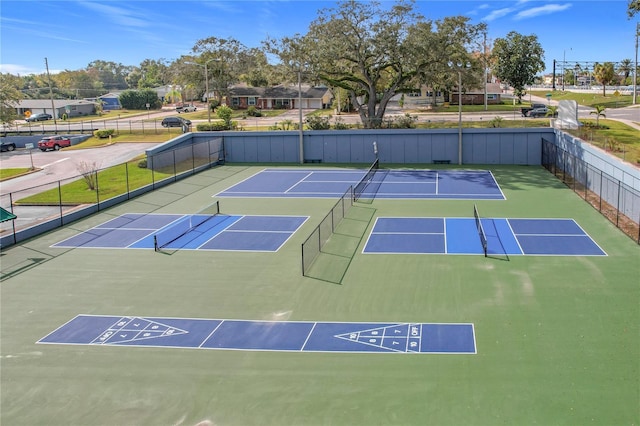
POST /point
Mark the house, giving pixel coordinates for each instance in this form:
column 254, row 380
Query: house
column 426, row 96
column 110, row 102
column 171, row 93
column 241, row 96
column 60, row 108
column 279, row 97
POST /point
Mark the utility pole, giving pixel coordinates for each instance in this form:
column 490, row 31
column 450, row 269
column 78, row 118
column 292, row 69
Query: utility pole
column 486, row 69
column 635, row 69
column 53, row 108
column 300, row 123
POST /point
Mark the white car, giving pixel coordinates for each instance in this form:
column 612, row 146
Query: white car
column 186, row 108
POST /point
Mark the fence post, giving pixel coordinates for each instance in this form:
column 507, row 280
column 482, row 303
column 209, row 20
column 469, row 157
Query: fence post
column 60, row 203
column 600, row 193
column 97, row 191
column 618, row 206
column 175, row 170
column 193, row 159
column 13, row 222
column 126, row 178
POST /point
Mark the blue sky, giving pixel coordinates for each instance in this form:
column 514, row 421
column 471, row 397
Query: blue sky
column 71, row 34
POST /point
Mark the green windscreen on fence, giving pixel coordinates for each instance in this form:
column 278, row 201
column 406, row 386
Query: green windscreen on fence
column 6, row 215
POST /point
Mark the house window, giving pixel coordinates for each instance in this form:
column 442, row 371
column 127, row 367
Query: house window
column 492, row 97
column 251, row 100
column 235, row 101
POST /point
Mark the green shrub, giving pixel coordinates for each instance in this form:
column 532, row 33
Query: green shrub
column 496, row 122
column 215, row 126
column 142, row 163
column 252, row 111
column 317, row 122
column 406, row 121
column 104, row 133
column 340, row 124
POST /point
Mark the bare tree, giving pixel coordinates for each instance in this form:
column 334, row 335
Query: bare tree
column 89, row 172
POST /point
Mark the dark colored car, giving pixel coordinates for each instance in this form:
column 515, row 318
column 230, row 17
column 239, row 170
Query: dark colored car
column 7, row 146
column 540, row 112
column 39, row 117
column 54, row 143
column 175, row 122
column 526, row 110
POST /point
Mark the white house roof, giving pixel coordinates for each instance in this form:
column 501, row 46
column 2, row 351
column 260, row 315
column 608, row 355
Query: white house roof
column 46, row 103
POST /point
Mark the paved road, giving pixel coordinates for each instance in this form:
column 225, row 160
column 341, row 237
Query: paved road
column 56, row 165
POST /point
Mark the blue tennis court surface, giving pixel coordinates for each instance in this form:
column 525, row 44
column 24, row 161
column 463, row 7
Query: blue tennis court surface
column 219, row 232
column 301, row 336
column 430, row 235
column 396, row 184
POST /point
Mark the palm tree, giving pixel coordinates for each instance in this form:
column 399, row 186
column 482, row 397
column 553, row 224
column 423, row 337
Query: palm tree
column 604, row 74
column 599, row 111
column 625, row 67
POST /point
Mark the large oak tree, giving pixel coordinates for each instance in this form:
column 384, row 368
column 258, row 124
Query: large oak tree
column 374, row 53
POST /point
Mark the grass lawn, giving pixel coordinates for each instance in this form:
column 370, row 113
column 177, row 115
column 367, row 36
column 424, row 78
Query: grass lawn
column 11, row 173
column 111, row 182
column 128, row 137
column 612, row 136
column 611, row 100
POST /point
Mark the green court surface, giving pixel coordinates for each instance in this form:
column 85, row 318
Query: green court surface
column 557, row 337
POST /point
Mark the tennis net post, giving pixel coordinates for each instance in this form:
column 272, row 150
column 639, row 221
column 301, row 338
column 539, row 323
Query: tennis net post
column 481, row 233
column 358, row 190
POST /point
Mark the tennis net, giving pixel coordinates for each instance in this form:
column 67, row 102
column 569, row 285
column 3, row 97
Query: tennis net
column 185, row 225
column 481, row 233
column 358, row 190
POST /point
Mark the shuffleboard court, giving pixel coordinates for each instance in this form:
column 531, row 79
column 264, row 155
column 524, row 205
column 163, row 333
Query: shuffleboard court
column 385, row 183
column 299, row 336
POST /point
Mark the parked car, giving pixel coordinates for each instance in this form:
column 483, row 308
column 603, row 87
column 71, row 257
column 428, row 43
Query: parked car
column 39, row 117
column 540, row 112
column 54, row 143
column 185, row 108
column 175, row 122
column 526, row 110
column 7, row 146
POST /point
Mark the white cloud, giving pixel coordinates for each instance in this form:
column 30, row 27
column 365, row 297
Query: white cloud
column 117, row 15
column 16, row 69
column 498, row 13
column 542, row 10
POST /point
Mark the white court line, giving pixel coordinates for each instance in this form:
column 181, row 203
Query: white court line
column 308, row 336
column 55, row 162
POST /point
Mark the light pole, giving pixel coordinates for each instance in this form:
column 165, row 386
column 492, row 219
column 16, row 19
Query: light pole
column 635, row 69
column 459, row 117
column 564, row 66
column 459, row 67
column 300, row 124
column 206, row 82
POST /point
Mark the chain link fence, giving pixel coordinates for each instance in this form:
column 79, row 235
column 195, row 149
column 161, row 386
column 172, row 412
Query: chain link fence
column 312, row 246
column 45, row 207
column 614, row 199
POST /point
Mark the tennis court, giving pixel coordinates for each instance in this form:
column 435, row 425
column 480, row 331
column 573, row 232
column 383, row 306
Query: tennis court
column 98, row 328
column 392, row 184
column 549, row 237
column 188, row 232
